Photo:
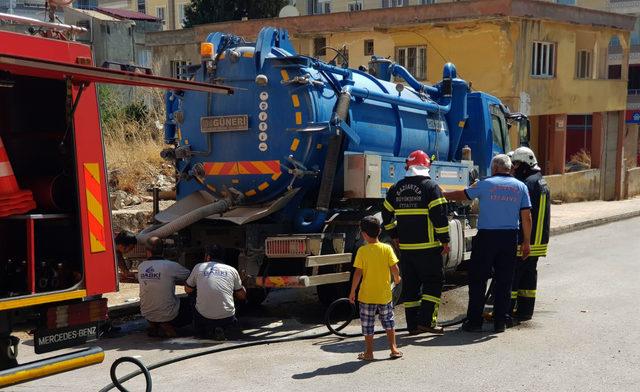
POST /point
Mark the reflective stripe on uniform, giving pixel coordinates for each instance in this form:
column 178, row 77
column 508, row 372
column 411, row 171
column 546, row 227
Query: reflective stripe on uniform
column 514, row 295
column 412, row 304
column 442, row 230
column 412, row 211
column 430, row 298
column 437, row 202
column 527, row 293
column 536, row 250
column 540, row 223
column 388, row 206
column 391, row 225
column 420, row 245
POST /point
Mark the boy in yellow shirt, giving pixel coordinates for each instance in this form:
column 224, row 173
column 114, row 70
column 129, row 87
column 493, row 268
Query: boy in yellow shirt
column 375, row 263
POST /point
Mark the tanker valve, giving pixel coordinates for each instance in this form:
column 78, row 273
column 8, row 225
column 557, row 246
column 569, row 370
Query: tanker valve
column 303, row 80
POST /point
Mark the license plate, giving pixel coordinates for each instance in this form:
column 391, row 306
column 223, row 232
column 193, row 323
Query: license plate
column 47, row 340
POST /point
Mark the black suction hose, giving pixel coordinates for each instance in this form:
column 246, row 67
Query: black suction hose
column 117, row 383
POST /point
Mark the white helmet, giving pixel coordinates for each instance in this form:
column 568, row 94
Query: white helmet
column 510, row 155
column 525, row 155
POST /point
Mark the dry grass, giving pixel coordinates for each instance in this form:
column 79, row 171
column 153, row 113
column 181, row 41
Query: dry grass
column 132, row 139
column 579, row 161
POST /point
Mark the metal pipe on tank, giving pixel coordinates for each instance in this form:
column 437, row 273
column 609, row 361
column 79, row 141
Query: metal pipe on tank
column 402, row 72
column 365, row 93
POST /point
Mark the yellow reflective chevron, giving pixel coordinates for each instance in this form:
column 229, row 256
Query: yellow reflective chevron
column 437, row 202
column 412, row 304
column 514, row 295
column 541, row 210
column 391, row 225
column 388, row 206
column 420, row 245
column 442, row 230
column 527, row 293
column 412, row 211
column 430, row 298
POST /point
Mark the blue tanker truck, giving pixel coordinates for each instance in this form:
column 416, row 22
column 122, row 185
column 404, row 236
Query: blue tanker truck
column 280, row 172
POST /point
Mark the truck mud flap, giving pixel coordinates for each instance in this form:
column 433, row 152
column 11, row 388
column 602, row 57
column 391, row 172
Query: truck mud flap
column 50, row 366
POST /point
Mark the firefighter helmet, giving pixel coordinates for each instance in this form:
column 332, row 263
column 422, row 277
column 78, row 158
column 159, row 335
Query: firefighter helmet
column 418, row 158
column 525, row 155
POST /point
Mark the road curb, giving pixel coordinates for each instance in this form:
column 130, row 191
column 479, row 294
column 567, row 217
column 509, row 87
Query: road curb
column 593, row 222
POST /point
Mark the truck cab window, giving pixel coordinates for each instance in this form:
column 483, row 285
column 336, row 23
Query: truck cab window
column 499, row 129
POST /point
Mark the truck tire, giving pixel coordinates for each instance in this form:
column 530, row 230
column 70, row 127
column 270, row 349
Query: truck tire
column 327, row 293
column 256, row 296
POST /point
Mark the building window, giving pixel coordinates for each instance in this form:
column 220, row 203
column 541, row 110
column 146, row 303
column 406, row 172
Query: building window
column 394, row 3
column 428, row 1
column 144, row 58
column 160, row 13
column 543, row 59
column 355, row 6
column 182, row 14
column 368, row 47
column 583, row 65
column 414, row 59
column 319, row 46
column 178, row 68
column 319, row 6
column 566, row 2
column 615, row 72
column 142, row 6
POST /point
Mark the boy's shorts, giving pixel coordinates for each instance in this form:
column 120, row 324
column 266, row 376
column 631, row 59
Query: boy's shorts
column 368, row 317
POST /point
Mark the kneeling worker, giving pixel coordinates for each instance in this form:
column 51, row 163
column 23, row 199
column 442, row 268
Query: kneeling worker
column 216, row 285
column 158, row 301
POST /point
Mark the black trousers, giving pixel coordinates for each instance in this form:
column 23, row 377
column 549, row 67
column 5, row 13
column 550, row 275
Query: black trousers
column 422, row 279
column 492, row 250
column 523, row 293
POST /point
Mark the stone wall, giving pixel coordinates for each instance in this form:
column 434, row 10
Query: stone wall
column 632, row 181
column 577, row 186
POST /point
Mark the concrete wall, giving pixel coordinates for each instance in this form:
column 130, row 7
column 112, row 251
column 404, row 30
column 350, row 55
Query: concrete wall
column 632, row 178
column 577, row 186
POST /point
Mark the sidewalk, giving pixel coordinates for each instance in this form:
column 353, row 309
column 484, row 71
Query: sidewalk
column 576, row 216
column 565, row 218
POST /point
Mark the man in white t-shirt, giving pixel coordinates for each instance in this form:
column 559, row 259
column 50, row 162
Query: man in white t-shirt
column 158, row 301
column 216, row 285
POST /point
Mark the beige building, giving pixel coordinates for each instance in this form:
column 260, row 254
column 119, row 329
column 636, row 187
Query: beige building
column 314, row 7
column 548, row 61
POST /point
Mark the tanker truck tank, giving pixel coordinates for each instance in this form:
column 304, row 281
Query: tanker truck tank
column 306, row 148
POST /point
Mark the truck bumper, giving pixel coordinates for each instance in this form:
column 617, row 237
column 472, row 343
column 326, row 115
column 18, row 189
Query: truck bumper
column 308, row 280
column 50, row 366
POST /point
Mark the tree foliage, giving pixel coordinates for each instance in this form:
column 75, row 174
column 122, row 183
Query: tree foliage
column 212, row 11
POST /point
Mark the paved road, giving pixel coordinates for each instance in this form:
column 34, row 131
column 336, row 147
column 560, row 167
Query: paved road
column 584, row 338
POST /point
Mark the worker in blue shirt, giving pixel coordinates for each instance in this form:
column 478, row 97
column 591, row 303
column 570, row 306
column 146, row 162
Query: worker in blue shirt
column 504, row 202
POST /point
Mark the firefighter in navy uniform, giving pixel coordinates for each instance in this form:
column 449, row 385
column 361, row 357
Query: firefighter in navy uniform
column 523, row 294
column 415, row 216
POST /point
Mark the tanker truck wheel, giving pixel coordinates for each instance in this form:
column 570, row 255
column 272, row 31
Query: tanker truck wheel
column 327, row 293
column 256, row 296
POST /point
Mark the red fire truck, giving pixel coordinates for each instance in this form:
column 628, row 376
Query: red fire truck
column 56, row 248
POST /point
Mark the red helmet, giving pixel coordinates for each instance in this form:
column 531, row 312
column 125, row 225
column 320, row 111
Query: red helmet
column 418, row 158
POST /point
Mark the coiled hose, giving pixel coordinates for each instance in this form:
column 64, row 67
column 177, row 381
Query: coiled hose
column 145, row 370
